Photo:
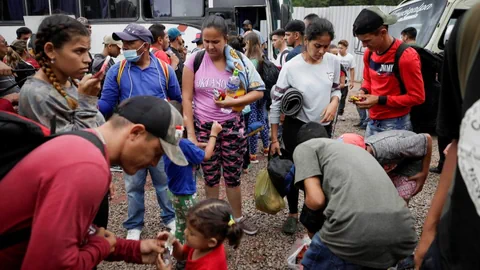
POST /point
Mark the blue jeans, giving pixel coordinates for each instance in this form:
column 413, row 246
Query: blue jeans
column 319, row 257
column 377, row 126
column 135, row 188
column 363, row 113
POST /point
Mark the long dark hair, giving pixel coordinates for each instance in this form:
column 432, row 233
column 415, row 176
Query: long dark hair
column 218, row 22
column 57, row 29
column 319, row 27
column 254, row 50
column 214, row 218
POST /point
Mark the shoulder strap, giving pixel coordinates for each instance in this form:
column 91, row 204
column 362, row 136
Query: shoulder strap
column 12, row 238
column 198, row 60
column 165, row 71
column 120, row 71
column 281, row 56
column 396, row 67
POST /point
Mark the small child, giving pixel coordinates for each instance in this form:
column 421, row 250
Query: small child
column 209, row 223
column 182, row 180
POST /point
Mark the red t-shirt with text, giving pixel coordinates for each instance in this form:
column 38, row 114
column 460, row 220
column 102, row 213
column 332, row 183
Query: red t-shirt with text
column 379, row 80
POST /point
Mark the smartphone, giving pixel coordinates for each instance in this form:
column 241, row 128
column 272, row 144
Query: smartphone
column 104, row 67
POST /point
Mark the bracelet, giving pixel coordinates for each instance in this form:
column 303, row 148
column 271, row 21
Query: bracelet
column 274, row 142
column 213, row 136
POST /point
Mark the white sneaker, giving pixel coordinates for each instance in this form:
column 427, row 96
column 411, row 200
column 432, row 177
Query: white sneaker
column 134, row 234
column 172, row 226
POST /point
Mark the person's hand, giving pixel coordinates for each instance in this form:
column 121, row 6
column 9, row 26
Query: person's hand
column 328, row 113
column 420, row 179
column 423, row 245
column 342, row 85
column 228, row 102
column 368, row 102
column 161, row 264
column 5, row 70
column 13, row 98
column 352, row 85
column 447, row 148
column 275, row 148
column 173, row 58
column 194, row 140
column 150, row 249
column 89, row 85
column 112, row 190
column 216, row 128
column 361, row 92
column 109, row 236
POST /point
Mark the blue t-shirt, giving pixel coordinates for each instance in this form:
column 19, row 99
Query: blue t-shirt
column 181, row 179
column 296, row 51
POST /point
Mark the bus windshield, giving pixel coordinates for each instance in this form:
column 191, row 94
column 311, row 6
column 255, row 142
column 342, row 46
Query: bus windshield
column 423, row 15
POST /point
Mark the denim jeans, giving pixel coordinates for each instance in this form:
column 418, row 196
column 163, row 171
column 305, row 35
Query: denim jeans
column 363, row 113
column 377, row 126
column 319, row 257
column 135, row 188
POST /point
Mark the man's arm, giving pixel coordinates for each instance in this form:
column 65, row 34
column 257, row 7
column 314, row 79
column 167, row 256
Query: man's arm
column 352, row 78
column 366, row 84
column 411, row 74
column 111, row 91
column 57, row 231
column 438, row 201
column 174, row 91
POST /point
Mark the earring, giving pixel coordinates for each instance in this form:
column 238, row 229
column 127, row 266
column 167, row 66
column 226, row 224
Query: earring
column 52, row 61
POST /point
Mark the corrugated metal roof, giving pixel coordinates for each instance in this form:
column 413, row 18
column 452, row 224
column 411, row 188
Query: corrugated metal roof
column 342, row 19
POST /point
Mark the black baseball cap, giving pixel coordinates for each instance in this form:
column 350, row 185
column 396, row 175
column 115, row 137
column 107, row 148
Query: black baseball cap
column 311, row 130
column 295, row 26
column 133, row 32
column 161, row 119
column 198, row 37
column 370, row 19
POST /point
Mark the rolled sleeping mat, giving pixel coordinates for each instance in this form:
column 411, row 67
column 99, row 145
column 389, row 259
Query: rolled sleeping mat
column 292, row 102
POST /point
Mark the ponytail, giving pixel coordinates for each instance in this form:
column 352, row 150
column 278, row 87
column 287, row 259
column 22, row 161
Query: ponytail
column 214, row 218
column 234, row 233
column 15, row 52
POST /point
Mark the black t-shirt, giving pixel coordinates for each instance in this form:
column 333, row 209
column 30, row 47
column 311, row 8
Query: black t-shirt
column 458, row 234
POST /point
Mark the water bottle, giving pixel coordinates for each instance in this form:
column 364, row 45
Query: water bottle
column 233, row 84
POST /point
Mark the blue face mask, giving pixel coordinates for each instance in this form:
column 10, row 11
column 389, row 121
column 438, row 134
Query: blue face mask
column 131, row 55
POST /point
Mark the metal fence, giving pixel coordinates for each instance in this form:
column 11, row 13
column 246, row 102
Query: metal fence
column 342, row 19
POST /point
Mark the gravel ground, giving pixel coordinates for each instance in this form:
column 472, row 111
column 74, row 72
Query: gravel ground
column 269, row 248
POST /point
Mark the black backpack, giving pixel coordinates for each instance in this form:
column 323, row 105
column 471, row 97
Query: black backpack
column 18, row 137
column 423, row 116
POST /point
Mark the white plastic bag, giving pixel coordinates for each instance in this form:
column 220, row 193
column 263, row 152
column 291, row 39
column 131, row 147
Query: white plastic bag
column 297, row 247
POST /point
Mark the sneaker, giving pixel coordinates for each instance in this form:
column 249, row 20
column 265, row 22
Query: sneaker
column 248, row 227
column 342, row 118
column 358, row 125
column 172, row 226
column 253, row 159
column 134, row 234
column 266, row 151
column 290, row 225
column 116, row 168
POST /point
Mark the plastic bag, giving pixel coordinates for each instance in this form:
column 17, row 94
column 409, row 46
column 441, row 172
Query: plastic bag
column 297, row 251
column 267, row 198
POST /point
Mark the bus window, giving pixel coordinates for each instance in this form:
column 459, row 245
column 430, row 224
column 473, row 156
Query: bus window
column 107, row 9
column 11, row 10
column 69, row 7
column 173, row 8
column 37, row 7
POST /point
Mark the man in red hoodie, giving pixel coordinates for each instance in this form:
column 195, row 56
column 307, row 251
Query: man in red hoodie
column 50, row 198
column 389, row 109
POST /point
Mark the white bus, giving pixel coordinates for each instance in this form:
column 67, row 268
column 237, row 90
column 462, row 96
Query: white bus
column 433, row 20
column 107, row 16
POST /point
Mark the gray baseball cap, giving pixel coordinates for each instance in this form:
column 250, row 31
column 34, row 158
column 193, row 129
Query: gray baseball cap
column 161, row 119
column 133, row 32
